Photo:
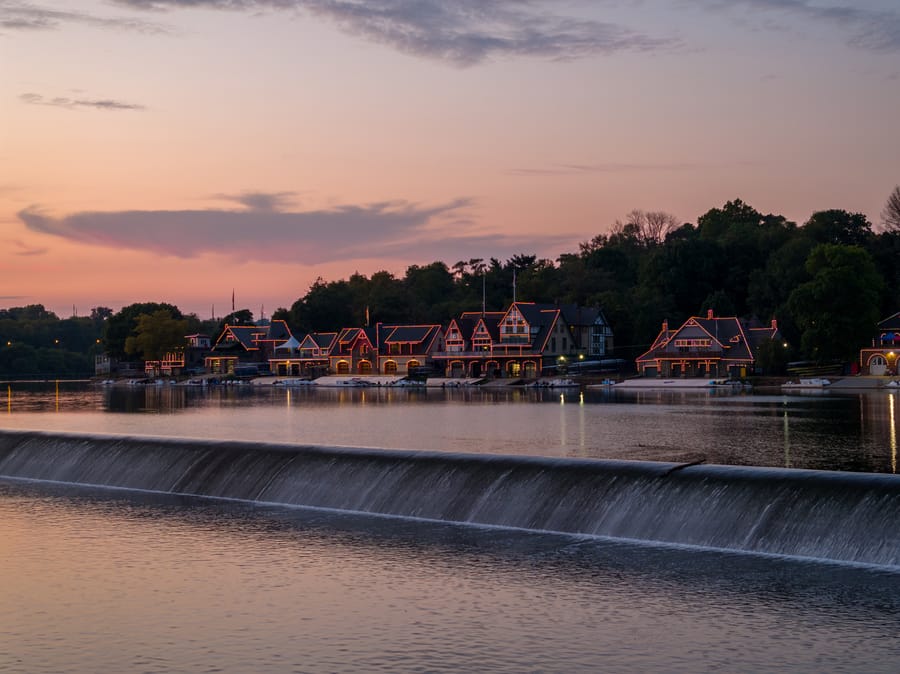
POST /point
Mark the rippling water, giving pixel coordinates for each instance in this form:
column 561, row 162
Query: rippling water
column 106, row 583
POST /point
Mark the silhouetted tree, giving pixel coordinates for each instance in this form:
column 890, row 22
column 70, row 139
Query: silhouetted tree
column 891, row 213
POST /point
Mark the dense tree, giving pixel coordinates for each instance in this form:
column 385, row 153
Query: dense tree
column 716, row 222
column 121, row 325
column 768, row 287
column 386, row 299
column 156, row 334
column 327, row 306
column 837, row 226
column 35, row 342
column 837, row 309
column 430, row 292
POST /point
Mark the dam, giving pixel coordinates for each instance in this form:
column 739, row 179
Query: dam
column 823, row 515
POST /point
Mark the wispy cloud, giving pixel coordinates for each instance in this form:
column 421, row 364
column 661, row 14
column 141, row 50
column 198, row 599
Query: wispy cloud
column 19, row 15
column 866, row 28
column 461, row 33
column 20, row 248
column 261, row 201
column 387, row 229
column 584, row 169
column 72, row 103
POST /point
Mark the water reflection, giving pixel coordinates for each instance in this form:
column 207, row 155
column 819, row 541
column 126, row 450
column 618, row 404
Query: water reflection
column 856, row 432
column 893, row 431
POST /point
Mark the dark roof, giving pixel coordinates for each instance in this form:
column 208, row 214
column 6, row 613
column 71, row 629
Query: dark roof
column 492, row 323
column 323, row 339
column 406, row 333
column 890, row 323
column 466, row 326
column 347, row 335
column 278, row 331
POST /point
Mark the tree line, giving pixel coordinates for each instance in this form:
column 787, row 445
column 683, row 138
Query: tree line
column 827, row 282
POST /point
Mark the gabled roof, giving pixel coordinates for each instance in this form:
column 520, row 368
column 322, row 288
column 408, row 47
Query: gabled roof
column 466, row 327
column 278, row 331
column 324, row 340
column 244, row 336
column 540, row 316
column 736, row 339
column 890, row 323
column 491, row 323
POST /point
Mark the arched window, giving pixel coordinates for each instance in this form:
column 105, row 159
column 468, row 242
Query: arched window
column 343, row 367
column 390, row 367
column 877, row 365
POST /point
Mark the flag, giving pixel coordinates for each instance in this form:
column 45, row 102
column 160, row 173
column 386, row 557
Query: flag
column 367, row 315
column 232, row 300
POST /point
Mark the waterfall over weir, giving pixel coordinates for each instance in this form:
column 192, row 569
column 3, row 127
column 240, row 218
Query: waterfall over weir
column 835, row 516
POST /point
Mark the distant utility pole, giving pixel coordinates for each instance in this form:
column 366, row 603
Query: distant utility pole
column 514, row 285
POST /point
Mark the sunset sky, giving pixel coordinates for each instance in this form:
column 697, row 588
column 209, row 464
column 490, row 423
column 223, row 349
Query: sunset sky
column 174, row 150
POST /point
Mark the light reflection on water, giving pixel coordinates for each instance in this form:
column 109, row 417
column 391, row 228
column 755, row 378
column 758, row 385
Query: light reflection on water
column 106, row 583
column 856, row 432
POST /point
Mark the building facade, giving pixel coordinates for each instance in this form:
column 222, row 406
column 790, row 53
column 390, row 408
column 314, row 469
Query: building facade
column 711, row 346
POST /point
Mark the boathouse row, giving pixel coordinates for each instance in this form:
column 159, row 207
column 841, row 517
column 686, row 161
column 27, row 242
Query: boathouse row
column 523, row 341
column 526, row 340
column 710, row 346
column 883, row 356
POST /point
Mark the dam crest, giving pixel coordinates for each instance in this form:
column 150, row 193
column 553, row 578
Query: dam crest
column 836, row 516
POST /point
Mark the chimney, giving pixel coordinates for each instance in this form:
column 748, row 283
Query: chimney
column 665, row 326
column 709, row 314
column 774, row 324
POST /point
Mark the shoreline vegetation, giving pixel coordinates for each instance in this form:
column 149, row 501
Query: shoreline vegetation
column 827, row 282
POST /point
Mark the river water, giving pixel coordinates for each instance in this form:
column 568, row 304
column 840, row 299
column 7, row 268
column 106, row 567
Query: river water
column 110, row 581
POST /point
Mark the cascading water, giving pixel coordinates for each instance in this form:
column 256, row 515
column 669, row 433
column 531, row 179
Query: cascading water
column 848, row 517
